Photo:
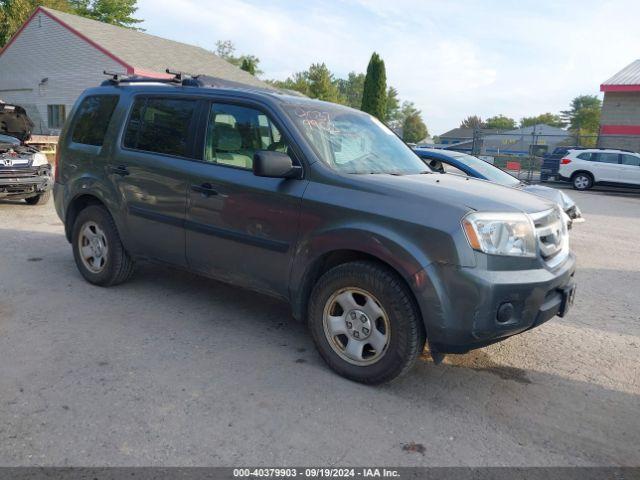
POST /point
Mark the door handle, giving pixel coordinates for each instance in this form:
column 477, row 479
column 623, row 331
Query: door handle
column 206, row 189
column 121, row 170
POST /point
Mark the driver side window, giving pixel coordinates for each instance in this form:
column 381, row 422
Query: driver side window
column 235, row 133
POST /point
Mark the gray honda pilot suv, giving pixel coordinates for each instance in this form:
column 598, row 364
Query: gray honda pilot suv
column 315, row 203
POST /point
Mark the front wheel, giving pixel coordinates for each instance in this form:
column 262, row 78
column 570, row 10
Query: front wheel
column 365, row 323
column 582, row 181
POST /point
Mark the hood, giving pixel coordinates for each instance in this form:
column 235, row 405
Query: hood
column 549, row 193
column 15, row 122
column 465, row 192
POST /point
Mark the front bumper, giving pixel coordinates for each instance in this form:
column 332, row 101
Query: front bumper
column 461, row 305
column 22, row 184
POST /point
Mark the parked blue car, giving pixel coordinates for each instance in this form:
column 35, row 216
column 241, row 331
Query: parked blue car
column 447, row 161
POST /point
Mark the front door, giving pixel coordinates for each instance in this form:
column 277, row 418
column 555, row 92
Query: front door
column 629, row 169
column 242, row 228
column 149, row 175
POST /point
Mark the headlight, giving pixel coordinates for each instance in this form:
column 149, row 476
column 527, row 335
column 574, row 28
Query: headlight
column 39, row 159
column 567, row 201
column 509, row 234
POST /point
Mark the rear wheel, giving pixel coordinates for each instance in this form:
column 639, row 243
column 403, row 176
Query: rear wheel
column 582, row 181
column 97, row 249
column 365, row 323
column 39, row 199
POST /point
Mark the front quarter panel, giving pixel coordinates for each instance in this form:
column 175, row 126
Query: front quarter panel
column 338, row 217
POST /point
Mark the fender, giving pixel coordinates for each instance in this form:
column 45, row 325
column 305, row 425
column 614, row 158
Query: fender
column 410, row 261
column 91, row 185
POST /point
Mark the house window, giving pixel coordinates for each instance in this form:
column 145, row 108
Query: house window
column 56, row 115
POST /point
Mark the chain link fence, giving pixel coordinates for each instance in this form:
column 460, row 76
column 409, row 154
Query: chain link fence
column 527, row 155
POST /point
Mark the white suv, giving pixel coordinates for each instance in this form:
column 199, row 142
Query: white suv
column 585, row 168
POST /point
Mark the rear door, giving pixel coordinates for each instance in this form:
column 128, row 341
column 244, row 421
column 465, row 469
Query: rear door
column 149, row 173
column 629, row 170
column 242, row 228
column 605, row 166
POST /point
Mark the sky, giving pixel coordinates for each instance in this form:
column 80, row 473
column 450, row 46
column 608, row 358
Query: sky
column 451, row 58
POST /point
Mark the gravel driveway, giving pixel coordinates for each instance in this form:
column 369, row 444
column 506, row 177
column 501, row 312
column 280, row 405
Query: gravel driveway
column 174, row 369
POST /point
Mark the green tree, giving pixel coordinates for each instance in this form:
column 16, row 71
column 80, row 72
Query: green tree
column 472, row 121
column 298, row 82
column 351, row 88
column 500, row 122
column 583, row 115
column 13, row 13
column 414, row 129
column 249, row 63
column 321, row 83
column 543, row 119
column 393, row 113
column 115, row 12
column 374, row 95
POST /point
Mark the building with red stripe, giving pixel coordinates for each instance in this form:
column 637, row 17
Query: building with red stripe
column 620, row 118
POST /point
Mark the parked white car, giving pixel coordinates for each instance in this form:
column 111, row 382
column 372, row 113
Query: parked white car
column 586, row 168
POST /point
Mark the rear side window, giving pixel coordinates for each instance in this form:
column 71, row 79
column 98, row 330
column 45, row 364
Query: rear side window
column 161, row 125
column 630, row 160
column 93, row 117
column 585, row 156
column 604, row 157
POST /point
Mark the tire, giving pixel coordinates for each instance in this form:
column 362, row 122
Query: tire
column 39, row 199
column 95, row 236
column 582, row 181
column 352, row 291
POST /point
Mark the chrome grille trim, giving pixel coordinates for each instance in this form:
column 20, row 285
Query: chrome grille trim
column 552, row 236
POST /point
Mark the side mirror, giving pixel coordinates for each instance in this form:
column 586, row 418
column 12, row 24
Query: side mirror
column 267, row 163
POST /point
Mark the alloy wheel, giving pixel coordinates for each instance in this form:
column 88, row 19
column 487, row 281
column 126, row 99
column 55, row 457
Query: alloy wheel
column 581, row 182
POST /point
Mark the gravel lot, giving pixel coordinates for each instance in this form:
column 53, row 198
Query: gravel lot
column 174, row 369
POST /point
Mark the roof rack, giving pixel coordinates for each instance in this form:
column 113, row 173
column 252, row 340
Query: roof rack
column 181, row 78
column 121, row 77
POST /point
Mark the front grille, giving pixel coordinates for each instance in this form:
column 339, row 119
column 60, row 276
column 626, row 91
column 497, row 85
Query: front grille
column 18, row 172
column 552, row 236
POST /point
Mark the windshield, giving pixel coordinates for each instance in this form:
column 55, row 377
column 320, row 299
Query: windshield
column 8, row 139
column 492, row 173
column 354, row 142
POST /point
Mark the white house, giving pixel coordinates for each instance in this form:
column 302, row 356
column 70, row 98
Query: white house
column 54, row 56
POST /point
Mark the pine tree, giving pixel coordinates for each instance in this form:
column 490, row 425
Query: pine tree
column 374, row 96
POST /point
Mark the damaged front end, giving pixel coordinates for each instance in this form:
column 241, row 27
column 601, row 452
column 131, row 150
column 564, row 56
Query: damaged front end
column 25, row 172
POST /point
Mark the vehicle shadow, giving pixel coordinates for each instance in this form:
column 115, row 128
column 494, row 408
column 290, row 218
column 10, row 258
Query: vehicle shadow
column 533, row 409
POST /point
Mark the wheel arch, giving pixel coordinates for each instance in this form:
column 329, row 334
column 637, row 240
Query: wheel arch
column 586, row 172
column 409, row 269
column 78, row 204
column 325, row 262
